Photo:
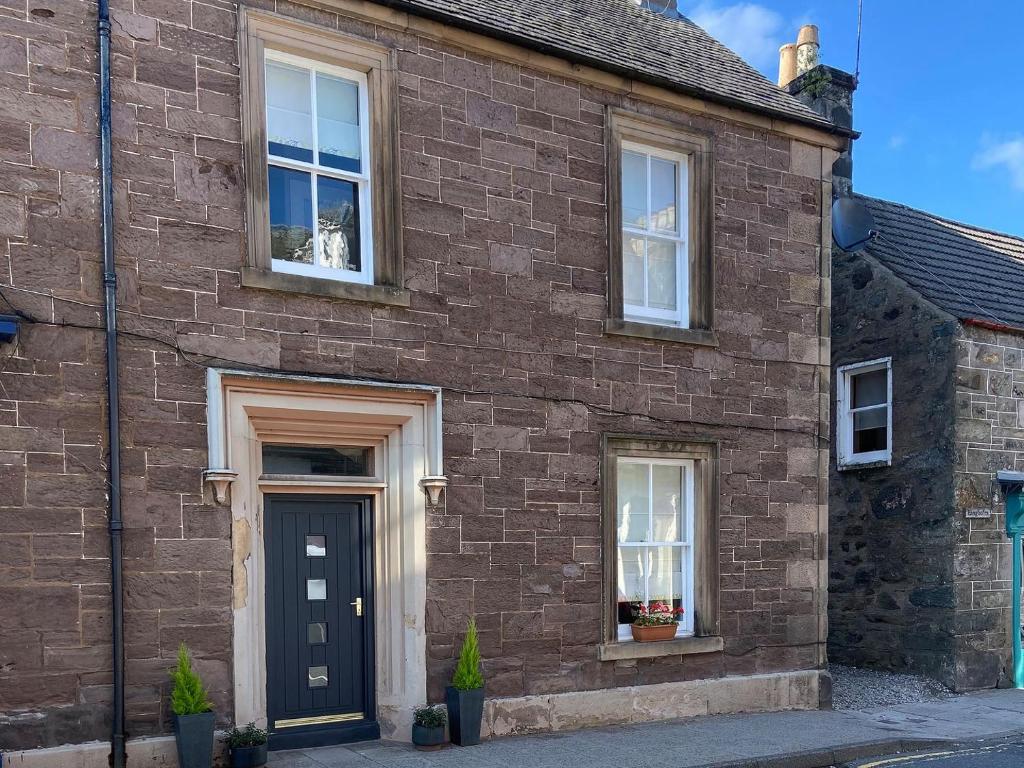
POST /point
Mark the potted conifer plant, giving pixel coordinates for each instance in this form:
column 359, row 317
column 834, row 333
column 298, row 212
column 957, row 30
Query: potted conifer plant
column 465, row 696
column 428, row 727
column 193, row 714
column 248, row 746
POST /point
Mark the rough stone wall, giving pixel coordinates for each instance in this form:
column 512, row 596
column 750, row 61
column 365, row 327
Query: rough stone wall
column 503, row 169
column 989, row 437
column 891, row 596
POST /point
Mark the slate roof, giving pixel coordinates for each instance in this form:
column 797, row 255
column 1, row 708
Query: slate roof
column 971, row 273
column 622, row 38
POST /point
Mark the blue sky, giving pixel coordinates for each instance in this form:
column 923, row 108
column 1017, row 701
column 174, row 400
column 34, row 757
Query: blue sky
column 940, row 104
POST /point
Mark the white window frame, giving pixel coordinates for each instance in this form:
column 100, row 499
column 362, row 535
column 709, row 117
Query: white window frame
column 686, row 623
column 680, row 317
column 362, row 180
column 844, row 416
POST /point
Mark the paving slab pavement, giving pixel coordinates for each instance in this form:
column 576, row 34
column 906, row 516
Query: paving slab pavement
column 815, row 739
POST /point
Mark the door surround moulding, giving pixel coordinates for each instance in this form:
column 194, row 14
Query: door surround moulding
column 403, row 422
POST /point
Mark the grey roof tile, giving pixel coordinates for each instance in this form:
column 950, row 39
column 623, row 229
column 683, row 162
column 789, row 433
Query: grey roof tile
column 619, row 36
column 970, row 272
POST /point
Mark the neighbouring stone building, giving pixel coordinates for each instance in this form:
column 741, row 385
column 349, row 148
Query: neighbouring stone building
column 566, row 259
column 927, row 345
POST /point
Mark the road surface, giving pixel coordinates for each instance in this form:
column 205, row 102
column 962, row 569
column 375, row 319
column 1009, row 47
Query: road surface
column 1005, row 755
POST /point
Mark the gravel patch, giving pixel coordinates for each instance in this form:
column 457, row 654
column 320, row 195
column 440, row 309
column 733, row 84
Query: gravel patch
column 855, row 688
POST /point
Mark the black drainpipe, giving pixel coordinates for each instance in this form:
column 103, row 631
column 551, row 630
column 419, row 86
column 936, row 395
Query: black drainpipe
column 117, row 738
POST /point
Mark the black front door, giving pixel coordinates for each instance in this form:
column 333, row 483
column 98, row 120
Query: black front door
column 320, row 686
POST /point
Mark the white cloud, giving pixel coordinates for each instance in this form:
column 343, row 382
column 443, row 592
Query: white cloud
column 751, row 30
column 1007, row 154
column 897, row 141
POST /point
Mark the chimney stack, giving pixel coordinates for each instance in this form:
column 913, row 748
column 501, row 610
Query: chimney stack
column 826, row 90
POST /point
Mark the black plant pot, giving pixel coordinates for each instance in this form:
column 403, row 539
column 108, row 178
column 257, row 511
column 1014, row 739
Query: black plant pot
column 465, row 713
column 428, row 736
column 249, row 757
column 194, row 737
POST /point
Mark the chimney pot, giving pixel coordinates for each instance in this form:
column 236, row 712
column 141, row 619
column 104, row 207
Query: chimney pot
column 787, row 64
column 808, row 46
column 808, row 34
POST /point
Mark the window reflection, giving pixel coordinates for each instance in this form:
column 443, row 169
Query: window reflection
column 316, row 546
column 316, row 589
column 316, row 633
column 317, row 677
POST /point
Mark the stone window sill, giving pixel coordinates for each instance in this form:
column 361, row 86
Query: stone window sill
column 318, row 286
column 880, row 464
column 699, row 336
column 681, row 646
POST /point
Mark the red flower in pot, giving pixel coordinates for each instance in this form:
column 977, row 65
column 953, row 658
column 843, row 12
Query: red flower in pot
column 657, row 621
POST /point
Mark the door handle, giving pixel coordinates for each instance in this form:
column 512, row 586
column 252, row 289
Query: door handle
column 358, row 603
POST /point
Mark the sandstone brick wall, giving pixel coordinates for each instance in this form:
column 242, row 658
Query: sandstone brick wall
column 891, row 593
column 990, row 437
column 505, row 255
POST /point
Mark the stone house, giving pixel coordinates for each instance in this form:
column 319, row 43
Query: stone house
column 531, row 296
column 927, row 341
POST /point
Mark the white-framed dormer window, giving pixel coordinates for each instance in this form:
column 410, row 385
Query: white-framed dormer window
column 318, row 169
column 864, row 413
column 654, row 534
column 655, row 230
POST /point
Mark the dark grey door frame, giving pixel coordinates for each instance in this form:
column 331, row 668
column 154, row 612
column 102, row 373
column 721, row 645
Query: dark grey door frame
column 326, row 729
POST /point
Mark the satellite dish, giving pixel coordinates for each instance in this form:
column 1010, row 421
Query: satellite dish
column 853, row 226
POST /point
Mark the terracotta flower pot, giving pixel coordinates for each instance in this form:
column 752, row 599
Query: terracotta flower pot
column 653, row 634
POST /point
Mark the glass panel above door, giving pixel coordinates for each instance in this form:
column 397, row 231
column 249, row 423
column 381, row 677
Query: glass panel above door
column 345, row 461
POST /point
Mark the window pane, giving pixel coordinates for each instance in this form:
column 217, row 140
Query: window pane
column 634, row 190
column 289, row 112
column 317, row 460
column 316, row 546
column 632, row 566
column 337, row 123
column 663, row 194
column 317, row 677
column 666, row 580
column 870, row 430
column 338, row 217
column 869, row 388
column 291, row 215
column 316, row 589
column 633, row 270
column 316, row 632
column 661, row 274
column 667, row 505
column 634, row 505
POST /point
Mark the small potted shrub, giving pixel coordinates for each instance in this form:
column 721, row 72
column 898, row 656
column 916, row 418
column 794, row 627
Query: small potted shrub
column 465, row 696
column 193, row 714
column 248, row 746
column 428, row 727
column 655, row 622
